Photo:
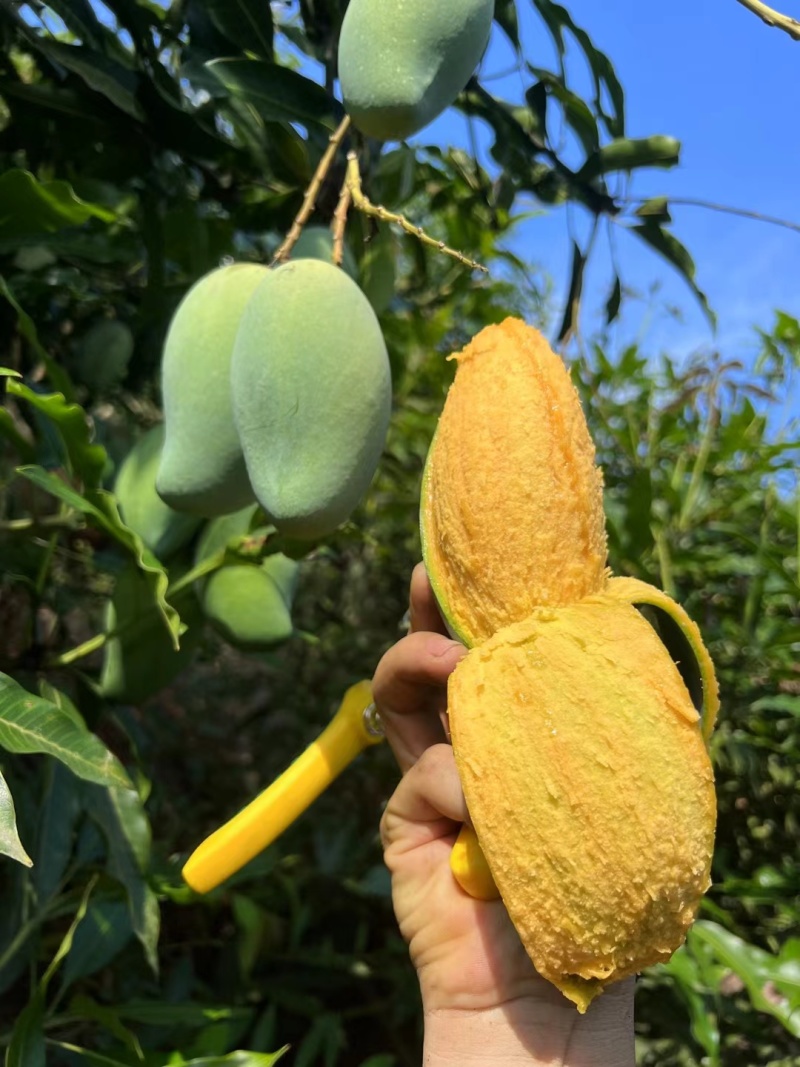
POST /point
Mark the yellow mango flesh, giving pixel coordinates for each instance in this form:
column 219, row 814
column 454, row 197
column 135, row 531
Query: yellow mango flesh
column 512, row 510
column 589, row 786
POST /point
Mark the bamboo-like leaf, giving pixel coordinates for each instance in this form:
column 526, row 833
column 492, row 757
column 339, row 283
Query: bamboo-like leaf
column 29, row 724
column 10, row 844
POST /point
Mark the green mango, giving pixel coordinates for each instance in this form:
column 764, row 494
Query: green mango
column 311, row 396
column 161, row 528
column 103, row 354
column 141, row 661
column 249, row 605
column 402, row 64
column 316, row 242
column 202, row 470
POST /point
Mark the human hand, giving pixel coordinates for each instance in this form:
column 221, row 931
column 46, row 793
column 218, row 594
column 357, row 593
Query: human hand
column 483, row 1001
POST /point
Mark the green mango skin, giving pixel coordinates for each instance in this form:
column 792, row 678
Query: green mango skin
column 250, row 606
column 161, row 528
column 202, row 469
column 312, row 396
column 402, row 63
column 142, row 662
column 316, row 242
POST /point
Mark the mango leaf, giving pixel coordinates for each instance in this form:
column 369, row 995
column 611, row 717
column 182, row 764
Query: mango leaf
column 627, row 154
column 10, row 844
column 576, row 111
column 122, row 819
column 614, row 301
column 573, row 304
column 115, row 82
column 277, row 93
column 675, row 253
column 27, row 1046
column 29, row 207
column 87, row 460
column 99, row 939
column 247, row 23
column 505, row 15
column 683, row 969
column 781, row 702
column 26, row 327
column 78, row 17
column 87, row 1056
column 58, row 814
column 239, row 1059
column 103, row 512
column 657, row 208
column 29, row 724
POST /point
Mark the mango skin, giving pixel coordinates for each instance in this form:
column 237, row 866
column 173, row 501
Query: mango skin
column 250, row 606
column 312, row 396
column 162, row 529
column 401, row 64
column 202, row 468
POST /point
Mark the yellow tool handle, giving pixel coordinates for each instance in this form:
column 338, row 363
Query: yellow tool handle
column 228, row 849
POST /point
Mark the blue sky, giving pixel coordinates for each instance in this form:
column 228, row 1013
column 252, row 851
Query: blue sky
column 726, row 85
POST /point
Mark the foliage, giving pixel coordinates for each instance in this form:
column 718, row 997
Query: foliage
column 137, row 151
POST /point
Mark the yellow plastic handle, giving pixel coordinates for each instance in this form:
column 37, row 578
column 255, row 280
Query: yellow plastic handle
column 228, row 849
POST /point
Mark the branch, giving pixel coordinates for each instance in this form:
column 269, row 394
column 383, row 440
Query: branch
column 710, row 205
column 773, row 18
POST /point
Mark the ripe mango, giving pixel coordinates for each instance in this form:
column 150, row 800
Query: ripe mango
column 163, row 530
column 581, row 751
column 249, row 605
column 401, row 64
column 316, row 242
column 202, row 470
column 311, row 395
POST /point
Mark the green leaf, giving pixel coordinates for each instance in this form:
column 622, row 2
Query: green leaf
column 10, row 844
column 614, row 301
column 117, row 83
column 277, row 93
column 86, row 460
column 239, row 1059
column 78, row 17
column 99, row 939
column 29, row 724
column 675, row 253
column 576, row 111
column 505, row 15
column 573, row 304
column 29, row 207
column 780, row 702
column 247, row 23
column 58, row 814
column 25, row 325
column 87, row 1056
column 656, row 208
column 683, row 969
column 103, row 512
column 627, row 154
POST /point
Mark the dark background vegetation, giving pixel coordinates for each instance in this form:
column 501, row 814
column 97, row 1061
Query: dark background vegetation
column 139, row 145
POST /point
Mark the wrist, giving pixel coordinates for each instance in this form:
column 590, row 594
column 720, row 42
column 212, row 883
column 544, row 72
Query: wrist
column 534, row 1032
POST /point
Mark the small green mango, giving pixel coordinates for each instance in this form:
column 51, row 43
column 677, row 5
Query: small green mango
column 103, row 354
column 311, row 396
column 202, row 470
column 316, row 242
column 162, row 529
column 141, row 661
column 250, row 606
column 402, row 64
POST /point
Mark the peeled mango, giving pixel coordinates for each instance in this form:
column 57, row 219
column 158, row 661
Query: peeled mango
column 162, row 529
column 401, row 64
column 249, row 605
column 581, row 751
column 202, row 469
column 311, row 396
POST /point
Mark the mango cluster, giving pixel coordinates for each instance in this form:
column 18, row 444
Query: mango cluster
column 277, row 389
column 580, row 748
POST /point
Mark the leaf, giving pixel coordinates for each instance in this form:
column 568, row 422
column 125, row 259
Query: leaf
column 26, row 327
column 87, row 460
column 29, row 724
column 627, row 154
column 675, row 253
column 101, row 936
column 614, row 301
column 10, row 844
column 58, row 814
column 576, row 111
column 239, row 1059
column 102, row 510
column 657, row 208
column 247, row 23
column 780, row 703
column 277, row 93
column 573, row 304
column 505, row 15
column 78, row 16
column 116, row 83
column 683, row 969
column 121, row 816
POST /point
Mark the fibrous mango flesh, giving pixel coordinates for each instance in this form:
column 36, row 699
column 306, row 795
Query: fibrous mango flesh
column 202, row 468
column 311, row 395
column 580, row 749
column 402, row 63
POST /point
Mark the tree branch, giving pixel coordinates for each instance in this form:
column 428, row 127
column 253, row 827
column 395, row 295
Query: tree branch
column 773, row 17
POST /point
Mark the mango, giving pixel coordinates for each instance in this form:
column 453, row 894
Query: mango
column 311, row 396
column 316, row 242
column 141, row 661
column 103, row 354
column 402, row 64
column 162, row 529
column 580, row 744
column 202, row 469
column 249, row 605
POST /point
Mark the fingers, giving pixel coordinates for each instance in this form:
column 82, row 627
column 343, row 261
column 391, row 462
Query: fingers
column 410, row 692
column 428, row 804
column 425, row 614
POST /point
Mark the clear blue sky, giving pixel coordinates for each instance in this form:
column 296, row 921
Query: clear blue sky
column 727, row 86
